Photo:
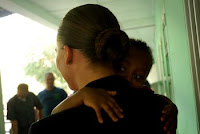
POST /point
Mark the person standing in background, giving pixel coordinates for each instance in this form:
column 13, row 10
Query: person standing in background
column 51, row 96
column 21, row 109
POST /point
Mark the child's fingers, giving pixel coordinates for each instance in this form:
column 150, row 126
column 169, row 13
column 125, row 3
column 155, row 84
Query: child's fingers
column 170, row 125
column 107, row 108
column 113, row 110
column 114, row 105
column 110, row 112
column 165, row 127
column 116, row 108
column 112, row 102
column 169, row 118
column 99, row 117
column 118, row 112
column 112, row 93
column 166, row 114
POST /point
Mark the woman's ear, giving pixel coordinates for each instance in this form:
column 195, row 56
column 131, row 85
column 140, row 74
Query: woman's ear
column 68, row 54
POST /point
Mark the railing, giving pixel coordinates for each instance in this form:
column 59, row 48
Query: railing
column 7, row 123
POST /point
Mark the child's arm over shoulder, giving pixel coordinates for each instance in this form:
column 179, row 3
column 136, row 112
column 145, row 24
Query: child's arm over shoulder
column 169, row 115
column 95, row 98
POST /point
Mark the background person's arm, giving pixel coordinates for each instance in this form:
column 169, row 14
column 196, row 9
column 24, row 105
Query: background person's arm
column 37, row 106
column 40, row 113
column 14, row 127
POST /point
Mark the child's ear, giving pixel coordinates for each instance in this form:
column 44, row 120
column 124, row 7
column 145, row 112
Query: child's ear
column 68, row 54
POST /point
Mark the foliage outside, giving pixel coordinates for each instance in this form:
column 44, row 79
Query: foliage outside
column 43, row 63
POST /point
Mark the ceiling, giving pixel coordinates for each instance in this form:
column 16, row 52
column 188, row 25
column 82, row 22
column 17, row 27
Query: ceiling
column 136, row 17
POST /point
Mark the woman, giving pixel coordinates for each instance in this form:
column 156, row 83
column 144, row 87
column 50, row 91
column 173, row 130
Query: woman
column 135, row 68
column 90, row 48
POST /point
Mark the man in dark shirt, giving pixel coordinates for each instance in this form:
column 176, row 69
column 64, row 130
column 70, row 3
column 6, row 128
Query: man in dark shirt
column 20, row 110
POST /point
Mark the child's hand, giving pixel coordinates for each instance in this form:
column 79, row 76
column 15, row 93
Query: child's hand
column 169, row 118
column 101, row 99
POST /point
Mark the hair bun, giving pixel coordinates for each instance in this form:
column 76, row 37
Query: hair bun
column 111, row 45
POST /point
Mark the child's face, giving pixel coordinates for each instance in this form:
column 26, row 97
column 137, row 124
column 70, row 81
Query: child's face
column 136, row 68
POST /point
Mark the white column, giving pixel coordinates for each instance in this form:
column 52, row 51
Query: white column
column 2, row 124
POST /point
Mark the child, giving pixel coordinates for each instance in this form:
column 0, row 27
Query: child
column 135, row 68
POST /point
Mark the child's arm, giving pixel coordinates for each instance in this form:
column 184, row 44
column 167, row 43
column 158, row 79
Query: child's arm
column 70, row 102
column 97, row 99
column 169, row 115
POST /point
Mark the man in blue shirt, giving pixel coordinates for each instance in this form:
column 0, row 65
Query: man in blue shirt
column 51, row 96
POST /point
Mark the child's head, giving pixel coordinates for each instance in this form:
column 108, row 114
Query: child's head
column 138, row 63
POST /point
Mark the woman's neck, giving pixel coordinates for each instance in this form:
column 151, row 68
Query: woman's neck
column 84, row 72
column 92, row 74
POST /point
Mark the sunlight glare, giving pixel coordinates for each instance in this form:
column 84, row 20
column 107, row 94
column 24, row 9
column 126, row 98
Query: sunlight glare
column 20, row 37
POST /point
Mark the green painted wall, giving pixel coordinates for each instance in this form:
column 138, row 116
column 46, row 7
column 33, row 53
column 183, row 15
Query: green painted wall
column 183, row 94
